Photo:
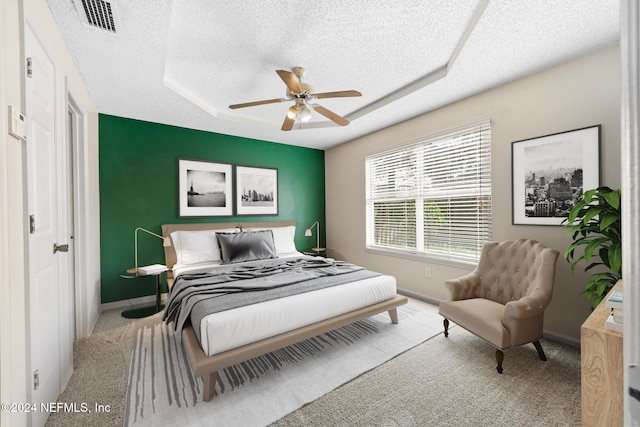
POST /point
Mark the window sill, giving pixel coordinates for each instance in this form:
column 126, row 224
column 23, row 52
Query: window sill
column 423, row 257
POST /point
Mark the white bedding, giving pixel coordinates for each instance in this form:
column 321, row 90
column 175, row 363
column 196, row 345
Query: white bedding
column 178, row 269
column 229, row 329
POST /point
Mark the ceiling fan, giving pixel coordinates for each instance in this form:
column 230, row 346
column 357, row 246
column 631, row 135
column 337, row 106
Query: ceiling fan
column 302, row 94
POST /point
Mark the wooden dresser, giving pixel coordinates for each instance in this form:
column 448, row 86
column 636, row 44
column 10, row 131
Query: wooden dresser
column 601, row 370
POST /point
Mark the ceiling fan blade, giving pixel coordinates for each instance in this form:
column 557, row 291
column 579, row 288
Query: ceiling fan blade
column 290, row 80
column 251, row 104
column 331, row 115
column 290, row 119
column 339, row 94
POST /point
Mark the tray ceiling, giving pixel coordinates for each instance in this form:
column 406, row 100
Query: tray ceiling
column 184, row 63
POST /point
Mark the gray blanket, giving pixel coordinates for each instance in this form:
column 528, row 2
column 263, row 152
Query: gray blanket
column 194, row 296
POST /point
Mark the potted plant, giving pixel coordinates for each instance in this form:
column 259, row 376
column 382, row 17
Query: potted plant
column 594, row 224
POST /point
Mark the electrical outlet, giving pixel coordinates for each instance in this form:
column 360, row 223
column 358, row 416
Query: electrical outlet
column 427, row 272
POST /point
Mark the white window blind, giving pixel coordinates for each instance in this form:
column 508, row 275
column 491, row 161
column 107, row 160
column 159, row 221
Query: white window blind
column 432, row 196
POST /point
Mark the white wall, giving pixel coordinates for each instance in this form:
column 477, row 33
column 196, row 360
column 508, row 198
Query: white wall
column 13, row 213
column 573, row 95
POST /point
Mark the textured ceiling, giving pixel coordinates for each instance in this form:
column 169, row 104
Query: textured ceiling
column 184, row 62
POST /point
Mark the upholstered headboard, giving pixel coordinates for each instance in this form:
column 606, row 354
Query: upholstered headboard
column 170, row 253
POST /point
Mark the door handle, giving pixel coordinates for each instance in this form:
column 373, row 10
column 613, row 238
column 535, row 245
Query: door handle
column 60, row 248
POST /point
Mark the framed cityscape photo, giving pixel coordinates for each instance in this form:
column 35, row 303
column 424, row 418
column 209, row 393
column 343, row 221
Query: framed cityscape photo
column 204, row 188
column 550, row 173
column 256, row 191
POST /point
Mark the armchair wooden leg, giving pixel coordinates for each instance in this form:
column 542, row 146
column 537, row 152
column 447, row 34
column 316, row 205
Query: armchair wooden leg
column 540, row 352
column 446, row 327
column 499, row 359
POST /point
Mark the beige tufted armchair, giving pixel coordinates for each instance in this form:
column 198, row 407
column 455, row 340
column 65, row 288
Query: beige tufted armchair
column 504, row 298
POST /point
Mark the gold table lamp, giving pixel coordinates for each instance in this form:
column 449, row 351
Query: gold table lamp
column 309, row 233
column 165, row 240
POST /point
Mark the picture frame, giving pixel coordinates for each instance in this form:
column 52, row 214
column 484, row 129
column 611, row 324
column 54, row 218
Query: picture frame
column 550, row 173
column 256, row 190
column 204, row 188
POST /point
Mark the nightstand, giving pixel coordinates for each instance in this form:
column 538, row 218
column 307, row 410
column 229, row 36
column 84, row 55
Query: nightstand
column 137, row 313
column 601, row 367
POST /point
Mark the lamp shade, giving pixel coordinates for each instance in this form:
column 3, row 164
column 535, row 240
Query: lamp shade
column 305, row 114
column 308, row 232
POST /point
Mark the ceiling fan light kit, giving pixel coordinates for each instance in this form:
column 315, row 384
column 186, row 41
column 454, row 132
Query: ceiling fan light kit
column 305, row 114
column 302, row 94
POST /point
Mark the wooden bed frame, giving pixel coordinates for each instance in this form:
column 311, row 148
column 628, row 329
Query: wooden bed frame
column 208, row 366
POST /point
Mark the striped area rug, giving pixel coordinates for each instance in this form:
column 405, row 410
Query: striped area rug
column 163, row 391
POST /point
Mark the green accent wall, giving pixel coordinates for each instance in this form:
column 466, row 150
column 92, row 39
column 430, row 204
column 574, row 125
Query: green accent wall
column 139, row 188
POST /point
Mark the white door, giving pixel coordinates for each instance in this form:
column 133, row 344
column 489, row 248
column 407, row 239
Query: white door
column 72, row 135
column 46, row 266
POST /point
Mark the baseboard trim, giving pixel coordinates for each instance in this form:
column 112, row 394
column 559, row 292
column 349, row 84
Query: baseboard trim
column 551, row 336
column 127, row 303
column 418, row 296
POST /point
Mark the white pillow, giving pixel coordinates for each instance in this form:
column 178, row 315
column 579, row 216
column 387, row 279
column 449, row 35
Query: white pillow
column 283, row 238
column 197, row 246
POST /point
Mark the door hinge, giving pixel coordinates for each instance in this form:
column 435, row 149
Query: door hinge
column 32, row 224
column 36, row 379
column 29, row 67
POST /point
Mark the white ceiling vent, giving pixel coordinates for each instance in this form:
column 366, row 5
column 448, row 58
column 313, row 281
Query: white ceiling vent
column 98, row 13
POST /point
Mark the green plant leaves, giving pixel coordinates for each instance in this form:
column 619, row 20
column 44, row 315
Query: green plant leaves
column 575, row 211
column 615, row 258
column 598, row 287
column 590, row 214
column 613, row 199
column 607, row 220
column 594, row 226
column 592, row 245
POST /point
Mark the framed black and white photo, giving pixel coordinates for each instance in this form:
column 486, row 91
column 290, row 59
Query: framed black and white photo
column 256, row 191
column 205, row 188
column 550, row 173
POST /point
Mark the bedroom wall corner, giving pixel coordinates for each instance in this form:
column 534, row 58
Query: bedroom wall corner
column 138, row 183
column 579, row 93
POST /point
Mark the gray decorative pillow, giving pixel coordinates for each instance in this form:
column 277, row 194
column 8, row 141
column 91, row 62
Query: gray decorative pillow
column 246, row 246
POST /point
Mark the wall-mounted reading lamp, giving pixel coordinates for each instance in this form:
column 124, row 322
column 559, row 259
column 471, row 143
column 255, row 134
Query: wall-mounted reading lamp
column 308, row 233
column 165, row 242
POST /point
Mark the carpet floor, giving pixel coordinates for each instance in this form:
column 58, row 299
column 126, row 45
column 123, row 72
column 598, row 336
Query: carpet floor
column 453, row 382
column 441, row 382
column 266, row 388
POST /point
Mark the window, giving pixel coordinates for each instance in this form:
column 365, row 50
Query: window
column 432, row 197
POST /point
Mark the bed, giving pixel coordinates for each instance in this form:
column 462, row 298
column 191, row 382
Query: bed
column 221, row 332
